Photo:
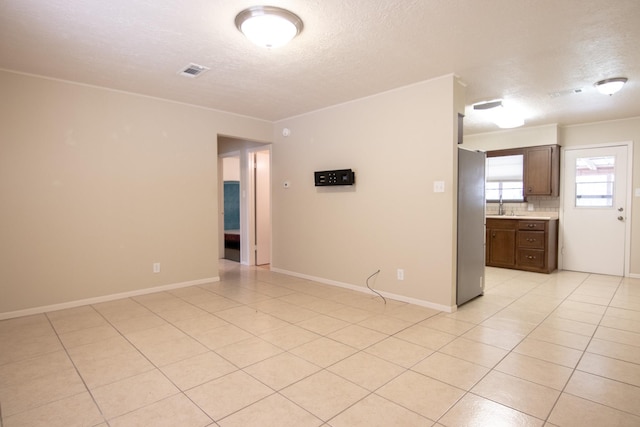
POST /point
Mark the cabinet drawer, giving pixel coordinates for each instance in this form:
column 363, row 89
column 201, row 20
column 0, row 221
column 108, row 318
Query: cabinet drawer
column 531, row 239
column 532, row 225
column 502, row 224
column 531, row 258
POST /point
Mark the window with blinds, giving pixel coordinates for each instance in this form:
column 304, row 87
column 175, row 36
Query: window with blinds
column 504, row 178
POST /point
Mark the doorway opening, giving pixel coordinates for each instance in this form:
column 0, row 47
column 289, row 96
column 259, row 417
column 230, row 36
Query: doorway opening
column 244, row 223
column 231, row 207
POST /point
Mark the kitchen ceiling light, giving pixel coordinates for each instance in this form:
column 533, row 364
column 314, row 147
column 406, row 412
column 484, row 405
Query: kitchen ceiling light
column 610, row 86
column 507, row 119
column 504, row 117
column 487, row 105
column 268, row 26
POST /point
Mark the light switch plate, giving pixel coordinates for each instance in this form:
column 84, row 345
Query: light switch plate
column 438, row 186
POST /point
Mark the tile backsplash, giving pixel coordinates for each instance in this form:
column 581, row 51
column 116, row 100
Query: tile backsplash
column 539, row 203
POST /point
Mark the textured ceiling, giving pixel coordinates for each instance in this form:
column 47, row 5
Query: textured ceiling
column 518, row 50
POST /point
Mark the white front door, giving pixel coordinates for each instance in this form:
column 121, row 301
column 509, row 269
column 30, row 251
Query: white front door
column 595, row 210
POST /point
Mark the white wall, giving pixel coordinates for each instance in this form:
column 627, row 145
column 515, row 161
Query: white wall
column 231, row 168
column 97, row 185
column 522, row 137
column 398, row 143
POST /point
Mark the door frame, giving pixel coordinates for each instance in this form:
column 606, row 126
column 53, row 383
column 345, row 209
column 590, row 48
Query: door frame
column 628, row 198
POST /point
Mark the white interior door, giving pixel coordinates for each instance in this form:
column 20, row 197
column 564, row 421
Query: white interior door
column 595, row 210
column 263, row 207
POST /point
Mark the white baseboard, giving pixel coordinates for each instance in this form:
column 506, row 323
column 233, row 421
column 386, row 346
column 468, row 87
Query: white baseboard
column 402, row 298
column 105, row 298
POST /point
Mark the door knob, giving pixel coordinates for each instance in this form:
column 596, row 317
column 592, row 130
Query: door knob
column 620, row 209
column 620, row 218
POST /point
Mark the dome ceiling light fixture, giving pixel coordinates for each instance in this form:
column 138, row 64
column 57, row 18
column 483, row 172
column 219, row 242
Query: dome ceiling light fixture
column 269, row 26
column 610, row 86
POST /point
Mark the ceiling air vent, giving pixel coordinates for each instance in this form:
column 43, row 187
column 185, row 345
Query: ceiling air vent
column 193, row 70
column 565, row 92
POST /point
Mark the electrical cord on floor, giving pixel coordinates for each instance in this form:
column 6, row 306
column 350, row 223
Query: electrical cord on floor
column 373, row 290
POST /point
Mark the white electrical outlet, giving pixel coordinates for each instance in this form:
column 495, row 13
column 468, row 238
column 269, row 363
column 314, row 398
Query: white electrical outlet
column 156, row 267
column 438, row 186
column 400, row 274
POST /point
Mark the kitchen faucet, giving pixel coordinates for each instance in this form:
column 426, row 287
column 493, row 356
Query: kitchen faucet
column 500, row 207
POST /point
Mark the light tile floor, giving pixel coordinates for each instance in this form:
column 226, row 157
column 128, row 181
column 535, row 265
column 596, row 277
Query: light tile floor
column 264, row 349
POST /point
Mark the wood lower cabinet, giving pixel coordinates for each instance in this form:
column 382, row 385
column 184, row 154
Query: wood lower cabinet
column 522, row 244
column 501, row 243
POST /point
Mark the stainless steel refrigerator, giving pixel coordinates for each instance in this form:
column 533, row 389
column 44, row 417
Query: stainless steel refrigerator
column 471, row 225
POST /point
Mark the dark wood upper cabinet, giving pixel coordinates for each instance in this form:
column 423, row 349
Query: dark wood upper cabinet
column 542, row 170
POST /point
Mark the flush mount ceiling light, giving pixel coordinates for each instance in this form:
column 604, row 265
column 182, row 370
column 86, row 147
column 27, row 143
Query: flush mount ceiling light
column 505, row 118
column 488, row 105
column 268, row 26
column 610, row 86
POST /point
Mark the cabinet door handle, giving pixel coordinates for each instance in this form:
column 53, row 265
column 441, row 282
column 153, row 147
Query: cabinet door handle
column 531, row 240
column 493, row 235
column 530, row 257
column 531, row 225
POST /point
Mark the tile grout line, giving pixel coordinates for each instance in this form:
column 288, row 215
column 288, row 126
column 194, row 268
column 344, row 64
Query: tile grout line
column 106, row 420
column 492, row 369
column 351, row 323
column 410, row 368
column 358, row 350
column 575, row 368
column 405, row 370
column 321, row 369
column 581, row 357
column 180, row 391
column 238, row 367
column 66, row 350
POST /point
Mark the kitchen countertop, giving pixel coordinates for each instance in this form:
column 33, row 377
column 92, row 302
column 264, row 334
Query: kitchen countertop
column 538, row 217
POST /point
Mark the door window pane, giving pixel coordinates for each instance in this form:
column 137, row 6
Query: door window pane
column 595, row 181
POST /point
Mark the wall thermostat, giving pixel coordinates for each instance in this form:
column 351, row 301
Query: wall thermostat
column 335, row 177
